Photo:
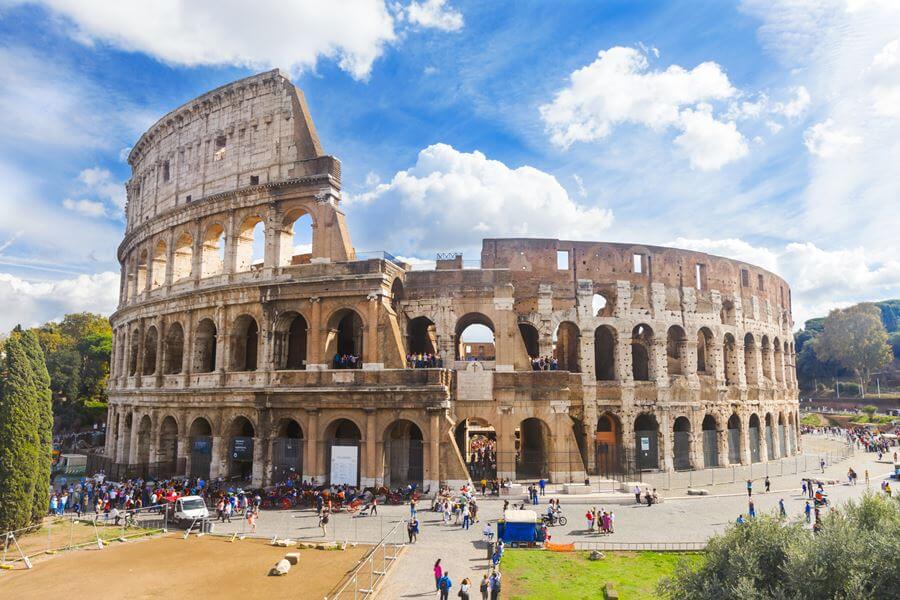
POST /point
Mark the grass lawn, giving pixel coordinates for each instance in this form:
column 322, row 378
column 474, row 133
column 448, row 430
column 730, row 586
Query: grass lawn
column 533, row 574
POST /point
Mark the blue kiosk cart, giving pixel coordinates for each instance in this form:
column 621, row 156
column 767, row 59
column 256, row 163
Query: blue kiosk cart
column 521, row 528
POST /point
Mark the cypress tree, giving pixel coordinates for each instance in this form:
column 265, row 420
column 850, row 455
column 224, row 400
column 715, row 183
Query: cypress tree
column 18, row 437
column 44, row 401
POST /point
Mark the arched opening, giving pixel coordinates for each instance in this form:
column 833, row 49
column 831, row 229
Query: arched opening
column 599, row 305
column 676, row 344
column 142, row 272
column 404, row 460
column 641, row 339
column 731, row 365
column 167, row 452
column 475, row 338
column 126, row 439
column 705, row 356
column 245, row 344
column 151, row 338
column 766, row 352
column 710, row 446
column 396, row 295
column 779, row 361
column 682, row 445
column 753, row 431
column 250, row 249
column 133, row 352
column 174, row 349
column 343, row 438
column 770, row 438
column 159, row 265
column 290, row 341
column 734, row 439
column 750, row 361
column 201, row 447
column 782, row 434
column 421, row 336
column 792, row 429
column 568, row 347
column 296, row 239
column 531, row 339
column 477, row 443
column 646, row 441
column 143, row 448
column 212, row 257
column 533, row 458
column 605, row 353
column 287, row 451
column 345, row 340
column 183, row 257
column 205, row 347
column 608, row 454
column 240, row 449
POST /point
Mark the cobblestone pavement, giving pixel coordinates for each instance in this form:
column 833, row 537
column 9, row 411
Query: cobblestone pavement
column 677, row 519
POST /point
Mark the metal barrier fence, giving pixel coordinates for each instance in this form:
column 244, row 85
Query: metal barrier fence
column 638, row 546
column 362, row 582
column 70, row 532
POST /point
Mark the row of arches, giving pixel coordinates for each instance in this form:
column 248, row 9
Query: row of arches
column 204, row 252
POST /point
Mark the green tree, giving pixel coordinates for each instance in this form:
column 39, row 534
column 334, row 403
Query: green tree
column 870, row 410
column 894, row 341
column 856, row 339
column 18, row 437
column 44, row 402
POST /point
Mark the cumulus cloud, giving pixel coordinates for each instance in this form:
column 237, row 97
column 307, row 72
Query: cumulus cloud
column 450, row 200
column 268, row 33
column 101, row 183
column 88, row 208
column 620, row 87
column 888, row 56
column 827, row 140
column 30, row 303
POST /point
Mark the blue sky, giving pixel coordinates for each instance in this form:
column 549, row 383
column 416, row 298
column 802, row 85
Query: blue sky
column 766, row 130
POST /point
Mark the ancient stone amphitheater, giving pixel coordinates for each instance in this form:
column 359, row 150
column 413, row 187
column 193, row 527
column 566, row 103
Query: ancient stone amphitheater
column 240, row 285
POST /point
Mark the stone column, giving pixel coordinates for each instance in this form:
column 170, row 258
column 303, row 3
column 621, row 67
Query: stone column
column 624, row 370
column 217, row 462
column 170, row 262
column 722, row 445
column 119, row 452
column 370, row 358
column 763, row 442
column 311, row 461
column 197, row 253
column 745, row 440
column 717, row 354
column 316, row 359
column 371, row 474
column 183, row 453
column 434, row 449
column 586, row 352
column 506, row 445
column 133, row 444
column 187, row 357
column 139, row 370
column 273, row 227
column 258, row 472
column 161, row 331
column 659, row 371
column 230, row 240
column 666, row 447
column 739, row 362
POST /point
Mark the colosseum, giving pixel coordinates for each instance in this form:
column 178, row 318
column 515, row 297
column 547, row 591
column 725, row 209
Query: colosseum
column 252, row 340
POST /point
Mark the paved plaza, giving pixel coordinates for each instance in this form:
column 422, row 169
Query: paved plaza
column 679, row 518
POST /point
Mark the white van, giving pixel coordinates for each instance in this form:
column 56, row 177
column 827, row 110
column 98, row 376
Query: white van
column 188, row 509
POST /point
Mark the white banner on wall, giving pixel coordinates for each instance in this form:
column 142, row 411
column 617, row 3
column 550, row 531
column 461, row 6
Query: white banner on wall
column 344, row 463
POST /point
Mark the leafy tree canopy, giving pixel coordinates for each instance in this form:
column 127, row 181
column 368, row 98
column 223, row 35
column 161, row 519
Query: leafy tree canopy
column 856, row 339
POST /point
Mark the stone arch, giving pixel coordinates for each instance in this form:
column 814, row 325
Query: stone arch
column 397, row 295
column 297, row 233
column 734, row 439
column 205, row 346
column 754, row 437
column 477, row 441
column 682, row 443
column 127, row 426
column 646, row 440
column 174, row 349
column 404, row 454
column 239, row 436
column 245, row 344
column 710, row 427
column 641, row 341
column 160, row 264
column 608, row 455
column 151, row 337
column 183, row 257
column 676, row 344
column 291, row 341
column 134, row 352
column 212, row 256
column 531, row 339
column 145, row 427
column 568, row 347
column 706, row 363
column 421, row 335
column 533, row 459
column 343, row 433
column 770, row 437
column 200, row 435
column 729, row 353
column 141, row 272
column 345, row 337
column 167, row 447
column 249, row 246
column 468, row 349
column 287, row 450
column 605, row 353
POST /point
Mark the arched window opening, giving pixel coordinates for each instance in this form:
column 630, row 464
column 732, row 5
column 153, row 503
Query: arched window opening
column 403, row 455
column 753, row 430
column 599, row 305
column 183, row 259
column 421, row 336
column 174, row 349
column 345, row 340
column 167, row 448
column 342, row 440
column 150, row 340
column 246, row 344
column 396, row 295
column 287, row 452
column 475, row 338
column 710, row 445
column 213, row 254
column 676, row 344
column 682, row 445
column 568, row 347
column 608, row 454
column 646, row 440
column 126, row 439
column 533, row 458
column 641, row 339
column 734, row 439
column 750, row 362
column 159, row 265
column 476, row 440
column 605, row 353
column 290, row 341
column 205, row 347
column 705, row 355
column 143, row 449
column 730, row 356
column 766, row 350
column 133, row 352
column 296, row 239
column 201, row 448
column 240, row 446
column 250, row 249
column 142, row 271
column 531, row 339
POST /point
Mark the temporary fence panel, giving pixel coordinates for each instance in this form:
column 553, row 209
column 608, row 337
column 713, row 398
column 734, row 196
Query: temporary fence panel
column 734, row 446
column 647, row 449
column 782, row 438
column 287, row 458
column 754, row 444
column 682, row 450
column 710, row 448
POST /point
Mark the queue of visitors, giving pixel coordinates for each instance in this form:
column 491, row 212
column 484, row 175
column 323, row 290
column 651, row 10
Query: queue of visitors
column 424, row 361
column 544, row 363
column 346, row 361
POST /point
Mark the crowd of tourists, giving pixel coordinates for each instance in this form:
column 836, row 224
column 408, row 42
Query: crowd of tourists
column 544, row 363
column 346, row 361
column 482, row 459
column 424, row 361
column 489, row 587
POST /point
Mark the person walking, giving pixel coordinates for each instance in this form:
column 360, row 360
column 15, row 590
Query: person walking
column 867, row 478
column 495, row 585
column 467, row 517
column 438, row 573
column 768, row 484
column 444, row 585
column 751, row 509
column 542, row 484
column 485, row 587
column 637, row 494
column 808, row 511
column 323, row 523
column 412, row 529
column 781, row 510
column 464, row 589
column 749, row 487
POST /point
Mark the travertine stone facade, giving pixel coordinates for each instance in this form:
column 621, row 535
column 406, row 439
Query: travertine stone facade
column 227, row 328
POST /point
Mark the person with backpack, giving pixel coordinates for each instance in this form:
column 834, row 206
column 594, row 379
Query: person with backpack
column 444, row 585
column 485, row 587
column 495, row 585
column 464, row 589
column 438, row 573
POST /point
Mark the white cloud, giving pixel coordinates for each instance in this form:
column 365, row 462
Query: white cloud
column 708, row 143
column 268, row 33
column 734, row 248
column 88, row 208
column 796, row 106
column 619, row 87
column 31, row 303
column 888, row 56
column 449, row 200
column 580, row 183
column 101, row 183
column 434, row 13
column 826, row 140
column 886, row 100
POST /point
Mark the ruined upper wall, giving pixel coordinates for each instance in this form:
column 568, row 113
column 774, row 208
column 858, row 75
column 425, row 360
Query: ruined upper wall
column 253, row 131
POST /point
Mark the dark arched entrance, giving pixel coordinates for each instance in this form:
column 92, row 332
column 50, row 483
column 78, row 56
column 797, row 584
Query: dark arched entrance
column 477, row 443
column 753, row 431
column 533, row 460
column 343, row 441
column 287, row 451
column 710, row 445
column 201, row 448
column 734, row 439
column 240, row 449
column 646, row 442
column 403, row 455
column 682, row 446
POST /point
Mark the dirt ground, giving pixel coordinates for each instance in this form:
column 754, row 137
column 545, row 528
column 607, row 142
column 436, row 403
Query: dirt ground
column 171, row 567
